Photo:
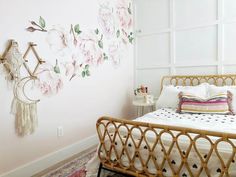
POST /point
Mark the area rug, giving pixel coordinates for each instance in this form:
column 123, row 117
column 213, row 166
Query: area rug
column 76, row 167
column 72, row 168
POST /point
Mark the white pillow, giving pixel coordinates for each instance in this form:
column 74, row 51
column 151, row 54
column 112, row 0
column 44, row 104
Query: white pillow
column 169, row 97
column 199, row 90
column 213, row 90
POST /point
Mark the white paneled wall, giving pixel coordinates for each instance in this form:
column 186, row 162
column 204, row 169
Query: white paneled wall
column 183, row 37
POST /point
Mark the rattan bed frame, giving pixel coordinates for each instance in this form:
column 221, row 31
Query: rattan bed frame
column 104, row 123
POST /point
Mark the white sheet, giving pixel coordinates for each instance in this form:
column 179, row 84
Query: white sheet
column 210, row 122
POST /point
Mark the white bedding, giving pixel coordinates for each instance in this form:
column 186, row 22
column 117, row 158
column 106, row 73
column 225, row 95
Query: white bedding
column 220, row 123
column 210, row 122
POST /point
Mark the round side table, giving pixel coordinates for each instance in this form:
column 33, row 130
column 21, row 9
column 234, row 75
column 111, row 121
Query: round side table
column 141, row 105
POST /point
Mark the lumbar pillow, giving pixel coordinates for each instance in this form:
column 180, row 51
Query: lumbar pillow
column 213, row 90
column 215, row 104
column 169, row 97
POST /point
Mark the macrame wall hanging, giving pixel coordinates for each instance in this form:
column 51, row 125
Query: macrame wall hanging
column 23, row 107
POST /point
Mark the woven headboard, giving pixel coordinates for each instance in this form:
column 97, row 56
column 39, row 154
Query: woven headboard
column 191, row 80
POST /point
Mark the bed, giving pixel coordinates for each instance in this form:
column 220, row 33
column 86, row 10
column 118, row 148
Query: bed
column 166, row 143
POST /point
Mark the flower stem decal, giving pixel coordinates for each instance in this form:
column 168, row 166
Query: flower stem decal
column 37, row 27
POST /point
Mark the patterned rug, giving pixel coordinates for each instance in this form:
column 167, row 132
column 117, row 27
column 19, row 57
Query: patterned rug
column 72, row 168
column 75, row 167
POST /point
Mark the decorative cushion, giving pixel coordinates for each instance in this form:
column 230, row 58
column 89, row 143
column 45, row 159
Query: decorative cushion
column 215, row 104
column 169, row 96
column 212, row 90
column 164, row 100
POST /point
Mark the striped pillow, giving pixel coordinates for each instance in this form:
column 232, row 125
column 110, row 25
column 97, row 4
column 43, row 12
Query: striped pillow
column 216, row 104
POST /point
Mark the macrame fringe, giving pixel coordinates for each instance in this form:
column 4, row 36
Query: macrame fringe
column 26, row 119
column 14, row 61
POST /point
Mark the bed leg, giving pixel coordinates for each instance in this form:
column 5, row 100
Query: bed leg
column 99, row 170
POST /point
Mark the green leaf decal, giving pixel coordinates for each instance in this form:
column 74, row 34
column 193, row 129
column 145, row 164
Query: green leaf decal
column 96, row 31
column 118, row 33
column 129, row 9
column 83, row 74
column 87, row 73
column 42, row 22
column 77, row 29
column 86, row 66
column 57, row 70
column 105, row 57
column 131, row 40
column 100, row 44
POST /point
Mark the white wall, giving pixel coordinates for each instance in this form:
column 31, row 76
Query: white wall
column 184, row 37
column 80, row 103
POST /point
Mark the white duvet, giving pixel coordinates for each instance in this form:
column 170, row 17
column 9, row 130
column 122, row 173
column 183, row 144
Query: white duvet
column 220, row 123
column 213, row 122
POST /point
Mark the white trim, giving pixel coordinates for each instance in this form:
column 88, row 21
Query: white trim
column 172, row 37
column 220, row 37
column 183, row 65
column 205, row 25
column 135, row 45
column 51, row 159
column 140, row 34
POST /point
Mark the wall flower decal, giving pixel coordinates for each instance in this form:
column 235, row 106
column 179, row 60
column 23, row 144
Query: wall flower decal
column 77, row 50
column 60, row 41
column 123, row 10
column 107, row 20
column 72, row 68
column 49, row 81
column 113, row 51
column 90, row 46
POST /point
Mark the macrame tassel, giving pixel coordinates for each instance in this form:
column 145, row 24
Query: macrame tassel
column 26, row 119
column 14, row 61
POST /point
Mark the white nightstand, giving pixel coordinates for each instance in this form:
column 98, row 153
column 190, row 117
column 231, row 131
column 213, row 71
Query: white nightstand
column 142, row 106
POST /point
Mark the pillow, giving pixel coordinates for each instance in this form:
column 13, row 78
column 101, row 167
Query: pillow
column 213, row 90
column 169, row 96
column 216, row 104
column 199, row 90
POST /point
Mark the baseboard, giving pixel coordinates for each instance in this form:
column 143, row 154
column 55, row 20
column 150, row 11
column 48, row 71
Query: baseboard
column 45, row 162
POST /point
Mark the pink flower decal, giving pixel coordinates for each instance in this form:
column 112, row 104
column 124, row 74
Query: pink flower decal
column 72, row 68
column 60, row 41
column 45, row 88
column 50, row 82
column 107, row 21
column 124, row 14
column 91, row 48
column 114, row 53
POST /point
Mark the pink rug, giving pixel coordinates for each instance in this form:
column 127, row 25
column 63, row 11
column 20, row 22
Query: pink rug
column 79, row 173
column 73, row 168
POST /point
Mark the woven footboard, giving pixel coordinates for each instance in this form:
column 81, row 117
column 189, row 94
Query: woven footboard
column 143, row 149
